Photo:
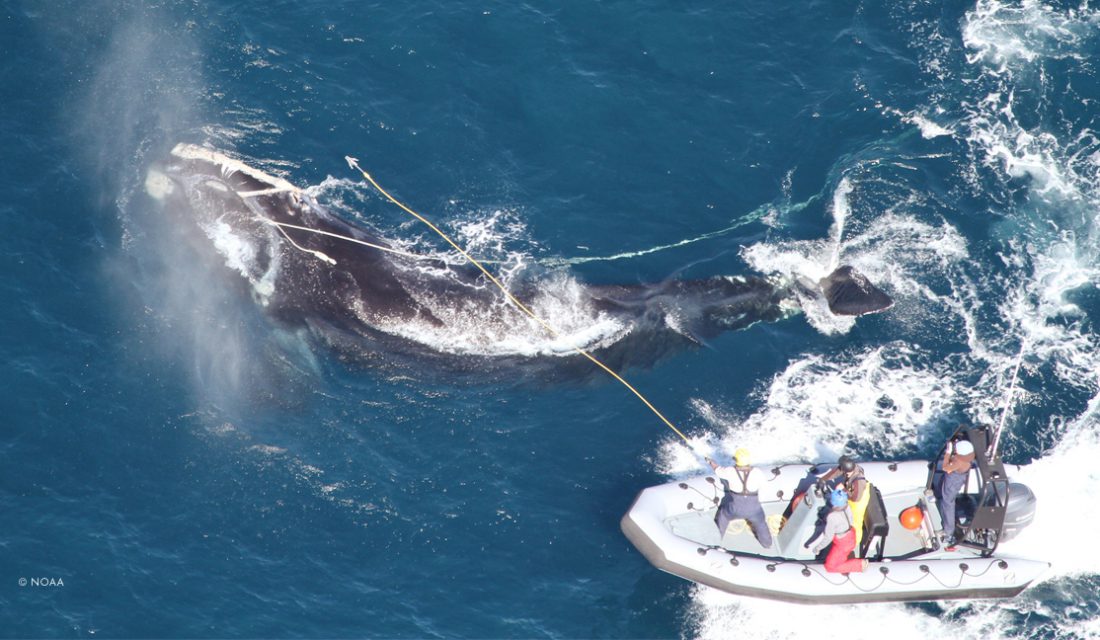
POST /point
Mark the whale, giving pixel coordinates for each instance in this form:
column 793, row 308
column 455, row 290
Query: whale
column 307, row 266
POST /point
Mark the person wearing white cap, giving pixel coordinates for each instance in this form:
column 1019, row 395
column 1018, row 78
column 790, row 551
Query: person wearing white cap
column 957, row 460
column 741, row 483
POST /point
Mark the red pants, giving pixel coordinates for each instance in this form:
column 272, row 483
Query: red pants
column 837, row 561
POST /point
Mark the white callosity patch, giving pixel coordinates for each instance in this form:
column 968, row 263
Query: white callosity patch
column 158, row 185
column 230, row 166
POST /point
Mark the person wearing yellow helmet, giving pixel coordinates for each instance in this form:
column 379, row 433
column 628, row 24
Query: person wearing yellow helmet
column 741, row 487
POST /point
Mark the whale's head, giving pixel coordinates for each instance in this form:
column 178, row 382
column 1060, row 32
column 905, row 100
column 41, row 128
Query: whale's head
column 233, row 205
column 199, row 174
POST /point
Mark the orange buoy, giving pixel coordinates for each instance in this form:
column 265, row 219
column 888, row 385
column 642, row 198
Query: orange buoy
column 911, row 518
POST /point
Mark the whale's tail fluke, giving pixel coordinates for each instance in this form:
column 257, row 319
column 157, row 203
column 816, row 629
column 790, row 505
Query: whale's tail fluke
column 850, row 293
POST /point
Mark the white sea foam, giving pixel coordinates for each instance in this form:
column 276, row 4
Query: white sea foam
column 895, row 250
column 471, row 327
column 841, row 211
column 873, row 400
column 720, row 616
column 928, row 128
column 1008, row 46
column 810, row 261
column 1004, row 145
column 1052, row 250
column 1060, row 479
column 1046, row 319
column 240, row 254
column 490, row 234
column 1004, row 36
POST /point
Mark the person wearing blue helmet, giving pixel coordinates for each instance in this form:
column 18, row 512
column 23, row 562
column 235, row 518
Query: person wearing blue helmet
column 850, row 475
column 840, row 532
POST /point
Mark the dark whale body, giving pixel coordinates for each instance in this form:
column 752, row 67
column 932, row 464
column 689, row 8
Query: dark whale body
column 310, row 268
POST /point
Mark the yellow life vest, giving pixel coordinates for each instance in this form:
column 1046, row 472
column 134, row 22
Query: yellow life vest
column 859, row 508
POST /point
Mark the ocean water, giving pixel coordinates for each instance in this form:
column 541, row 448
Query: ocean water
column 176, row 463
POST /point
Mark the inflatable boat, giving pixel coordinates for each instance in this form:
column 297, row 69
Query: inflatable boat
column 673, row 525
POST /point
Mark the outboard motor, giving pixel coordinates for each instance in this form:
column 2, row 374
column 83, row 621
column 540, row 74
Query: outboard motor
column 1020, row 510
column 996, row 509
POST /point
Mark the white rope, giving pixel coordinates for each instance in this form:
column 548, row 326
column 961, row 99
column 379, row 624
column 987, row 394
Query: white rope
column 280, row 225
column 264, row 192
column 1008, row 402
column 549, row 262
column 558, row 262
column 317, row 254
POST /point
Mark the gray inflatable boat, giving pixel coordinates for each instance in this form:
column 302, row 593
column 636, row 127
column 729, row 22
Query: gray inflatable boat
column 673, row 526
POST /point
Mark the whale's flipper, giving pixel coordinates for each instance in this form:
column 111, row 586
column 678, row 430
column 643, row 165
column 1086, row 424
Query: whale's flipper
column 850, row 293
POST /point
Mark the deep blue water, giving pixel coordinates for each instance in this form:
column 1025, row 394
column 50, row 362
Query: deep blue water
column 189, row 467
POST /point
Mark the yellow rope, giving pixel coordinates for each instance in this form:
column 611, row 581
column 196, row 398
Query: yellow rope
column 353, row 163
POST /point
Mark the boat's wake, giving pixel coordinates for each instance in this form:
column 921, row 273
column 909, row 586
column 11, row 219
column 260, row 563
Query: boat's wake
column 1020, row 293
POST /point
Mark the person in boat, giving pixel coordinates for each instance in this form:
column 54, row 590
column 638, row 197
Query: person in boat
column 850, row 475
column 957, row 460
column 841, row 532
column 740, row 499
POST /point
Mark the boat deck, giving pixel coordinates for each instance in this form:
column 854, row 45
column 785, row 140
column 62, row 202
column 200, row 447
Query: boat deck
column 698, row 526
